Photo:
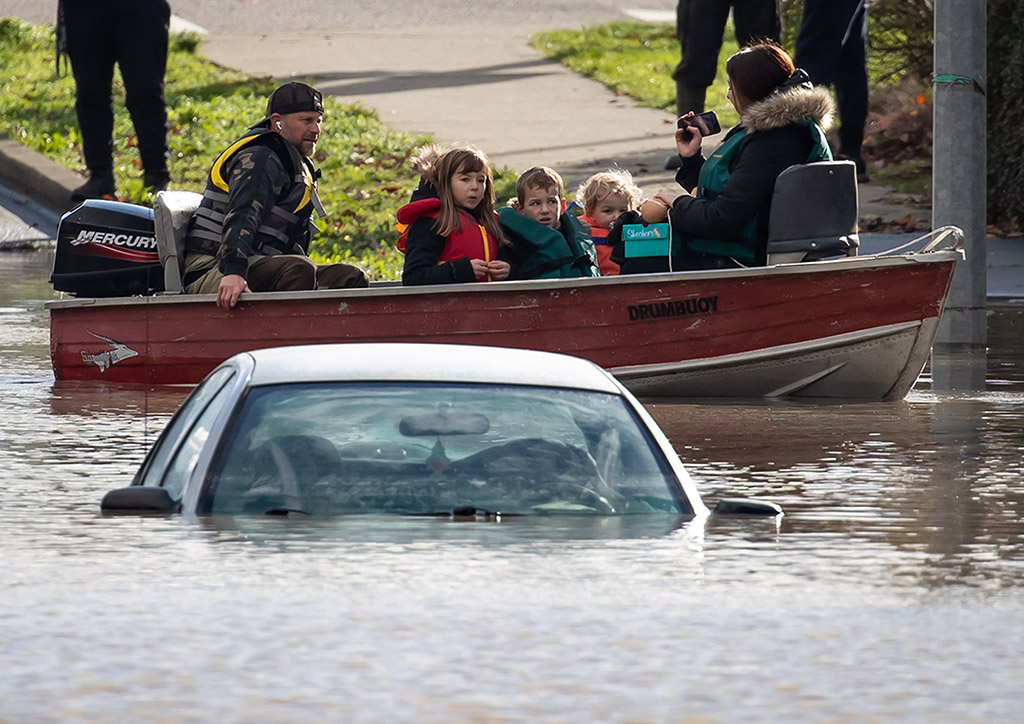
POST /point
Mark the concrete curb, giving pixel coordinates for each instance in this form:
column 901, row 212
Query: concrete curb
column 36, row 176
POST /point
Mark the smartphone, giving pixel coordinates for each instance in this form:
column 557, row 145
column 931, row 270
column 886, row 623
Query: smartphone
column 707, row 122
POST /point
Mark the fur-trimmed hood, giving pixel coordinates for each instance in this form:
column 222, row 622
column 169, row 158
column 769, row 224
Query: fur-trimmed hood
column 790, row 106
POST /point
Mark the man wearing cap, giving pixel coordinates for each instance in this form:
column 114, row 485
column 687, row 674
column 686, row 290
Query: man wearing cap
column 252, row 229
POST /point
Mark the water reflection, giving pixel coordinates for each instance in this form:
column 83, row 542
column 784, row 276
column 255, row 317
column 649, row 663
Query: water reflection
column 896, row 570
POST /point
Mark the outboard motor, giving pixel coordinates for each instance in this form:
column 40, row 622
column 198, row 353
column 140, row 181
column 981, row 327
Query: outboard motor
column 107, row 249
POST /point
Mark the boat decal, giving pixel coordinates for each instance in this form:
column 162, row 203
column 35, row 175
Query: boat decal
column 109, row 357
column 129, row 246
column 678, row 308
column 797, row 385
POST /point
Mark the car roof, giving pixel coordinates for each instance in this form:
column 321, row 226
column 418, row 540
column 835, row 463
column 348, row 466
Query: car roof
column 421, row 362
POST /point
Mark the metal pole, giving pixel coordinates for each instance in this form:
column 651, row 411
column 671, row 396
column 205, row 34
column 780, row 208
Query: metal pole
column 958, row 186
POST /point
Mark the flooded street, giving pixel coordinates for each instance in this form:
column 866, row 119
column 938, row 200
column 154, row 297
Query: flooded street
column 891, row 591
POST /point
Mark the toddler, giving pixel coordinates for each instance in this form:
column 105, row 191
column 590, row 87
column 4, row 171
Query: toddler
column 605, row 196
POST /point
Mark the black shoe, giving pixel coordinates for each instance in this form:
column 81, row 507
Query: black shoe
column 862, row 168
column 99, row 186
column 156, row 181
column 673, row 161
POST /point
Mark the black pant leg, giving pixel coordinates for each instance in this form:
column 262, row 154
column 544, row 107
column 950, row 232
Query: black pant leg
column 820, row 39
column 142, row 57
column 700, row 25
column 91, row 52
column 851, row 84
column 822, row 52
column 757, row 20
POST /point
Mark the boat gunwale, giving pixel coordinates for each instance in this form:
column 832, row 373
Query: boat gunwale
column 387, row 289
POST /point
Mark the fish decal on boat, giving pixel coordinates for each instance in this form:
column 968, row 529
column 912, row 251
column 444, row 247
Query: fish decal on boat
column 108, row 357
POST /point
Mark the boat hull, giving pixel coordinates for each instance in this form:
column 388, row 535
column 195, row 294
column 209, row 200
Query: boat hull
column 858, row 328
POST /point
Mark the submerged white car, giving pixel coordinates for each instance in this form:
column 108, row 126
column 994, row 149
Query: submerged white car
column 412, row 429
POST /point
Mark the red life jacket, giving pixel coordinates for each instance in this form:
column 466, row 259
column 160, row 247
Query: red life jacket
column 470, row 241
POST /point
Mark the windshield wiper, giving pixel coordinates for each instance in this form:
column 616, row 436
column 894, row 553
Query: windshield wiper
column 285, row 511
column 468, row 512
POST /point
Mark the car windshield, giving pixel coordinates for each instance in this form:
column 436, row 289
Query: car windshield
column 421, row 449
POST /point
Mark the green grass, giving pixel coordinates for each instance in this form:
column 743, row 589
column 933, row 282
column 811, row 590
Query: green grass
column 637, row 60
column 366, row 177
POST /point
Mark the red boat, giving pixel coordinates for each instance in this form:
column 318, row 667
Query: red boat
column 851, row 327
column 859, row 327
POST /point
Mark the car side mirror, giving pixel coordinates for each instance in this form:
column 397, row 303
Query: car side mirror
column 747, row 506
column 138, row 500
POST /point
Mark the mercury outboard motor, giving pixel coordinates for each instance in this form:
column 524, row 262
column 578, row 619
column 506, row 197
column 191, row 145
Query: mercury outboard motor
column 107, row 249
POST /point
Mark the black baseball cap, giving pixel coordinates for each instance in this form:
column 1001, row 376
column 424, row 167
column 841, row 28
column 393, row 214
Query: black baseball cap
column 295, row 97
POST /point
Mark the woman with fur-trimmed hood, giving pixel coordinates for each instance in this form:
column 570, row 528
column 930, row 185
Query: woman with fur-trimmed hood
column 723, row 218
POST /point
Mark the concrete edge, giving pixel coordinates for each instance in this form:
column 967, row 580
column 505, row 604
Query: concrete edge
column 37, row 176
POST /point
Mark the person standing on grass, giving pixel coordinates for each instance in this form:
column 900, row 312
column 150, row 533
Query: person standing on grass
column 133, row 35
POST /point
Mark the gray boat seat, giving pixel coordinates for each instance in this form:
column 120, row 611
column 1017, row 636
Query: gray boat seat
column 814, row 213
column 172, row 216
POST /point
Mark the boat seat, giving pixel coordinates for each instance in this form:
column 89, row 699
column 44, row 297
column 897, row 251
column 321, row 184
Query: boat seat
column 814, row 213
column 172, row 216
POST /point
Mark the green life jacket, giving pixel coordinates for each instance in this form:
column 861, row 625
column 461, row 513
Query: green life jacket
column 713, row 176
column 552, row 253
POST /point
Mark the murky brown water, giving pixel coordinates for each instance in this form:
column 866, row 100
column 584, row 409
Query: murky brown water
column 890, row 591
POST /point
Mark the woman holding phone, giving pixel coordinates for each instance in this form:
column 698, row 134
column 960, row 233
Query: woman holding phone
column 723, row 216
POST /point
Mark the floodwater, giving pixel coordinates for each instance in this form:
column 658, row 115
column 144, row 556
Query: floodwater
column 891, row 591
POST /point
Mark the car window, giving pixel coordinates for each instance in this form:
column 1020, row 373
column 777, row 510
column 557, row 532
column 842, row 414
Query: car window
column 167, row 450
column 427, row 448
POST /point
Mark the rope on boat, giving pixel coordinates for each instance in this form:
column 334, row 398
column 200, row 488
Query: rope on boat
column 936, row 235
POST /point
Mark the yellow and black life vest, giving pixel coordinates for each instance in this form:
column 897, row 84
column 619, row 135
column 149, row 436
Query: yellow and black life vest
column 286, row 228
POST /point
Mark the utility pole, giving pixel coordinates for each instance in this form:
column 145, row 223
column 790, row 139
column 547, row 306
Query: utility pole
column 959, row 187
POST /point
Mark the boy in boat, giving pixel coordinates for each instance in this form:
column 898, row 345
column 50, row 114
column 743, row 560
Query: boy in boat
column 546, row 241
column 605, row 196
column 252, row 229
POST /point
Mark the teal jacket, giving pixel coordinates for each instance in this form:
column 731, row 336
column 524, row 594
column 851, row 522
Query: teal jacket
column 540, row 252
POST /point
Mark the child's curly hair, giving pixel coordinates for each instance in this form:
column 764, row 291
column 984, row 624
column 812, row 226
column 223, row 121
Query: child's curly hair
column 617, row 182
